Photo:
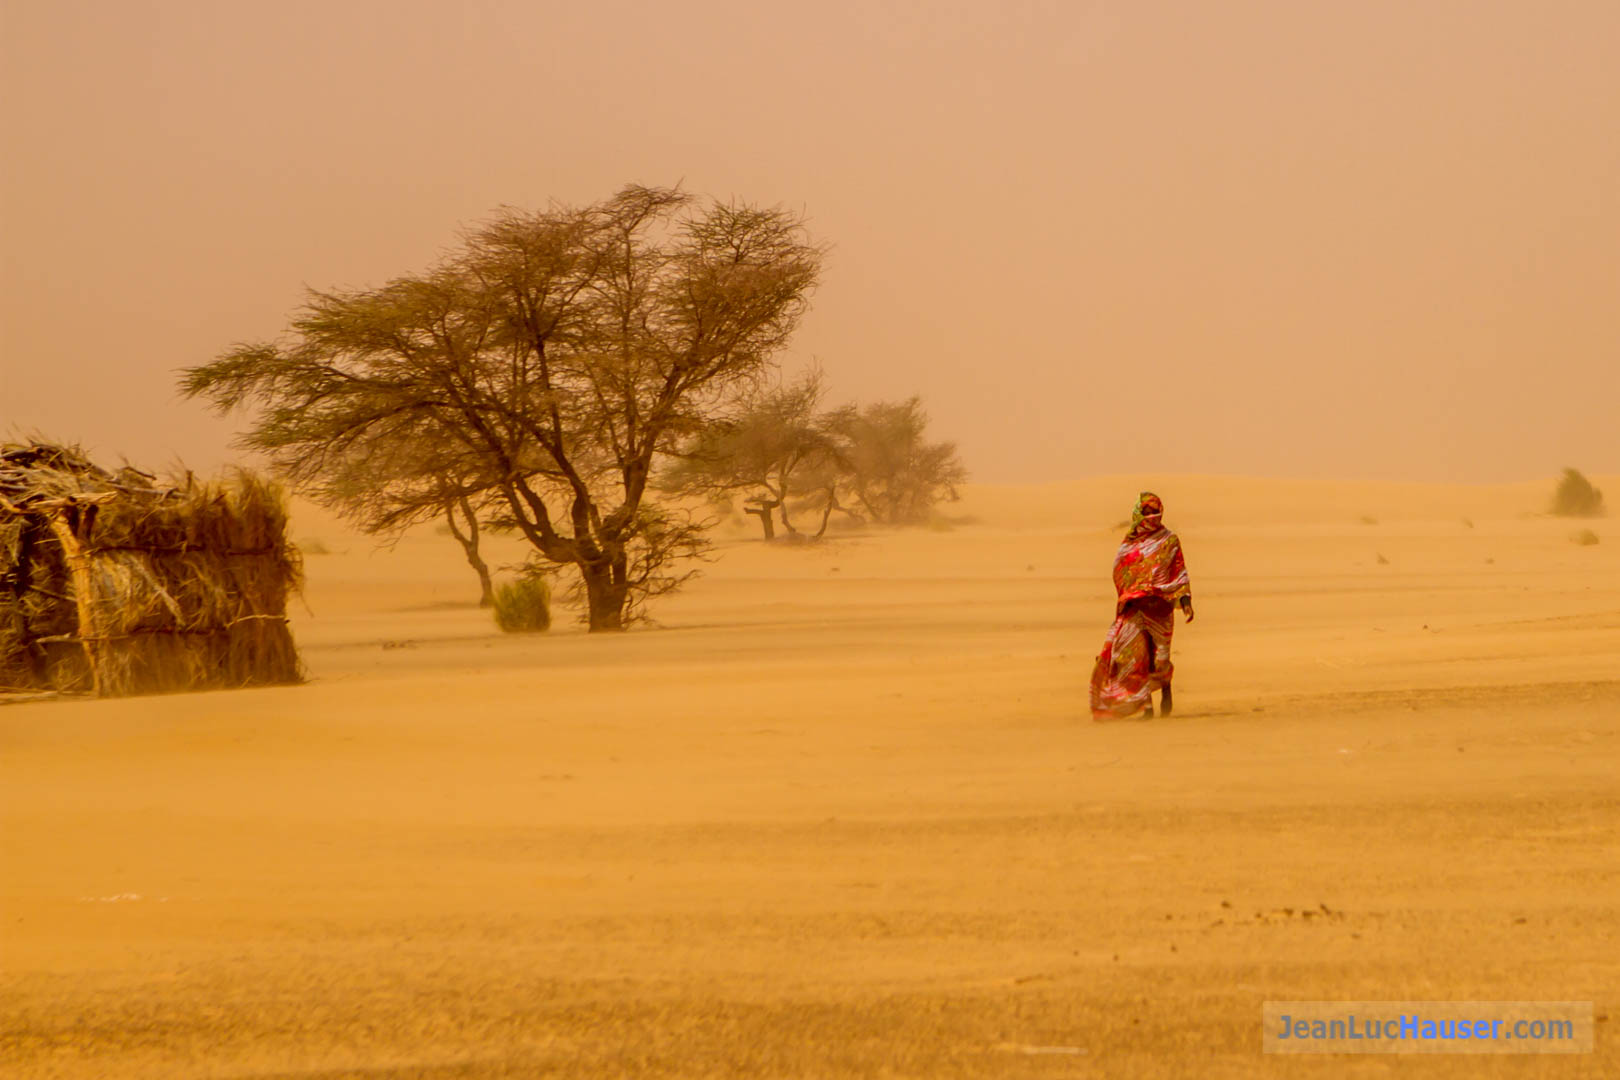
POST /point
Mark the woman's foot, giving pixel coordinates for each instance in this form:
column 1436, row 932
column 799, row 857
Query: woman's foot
column 1165, row 702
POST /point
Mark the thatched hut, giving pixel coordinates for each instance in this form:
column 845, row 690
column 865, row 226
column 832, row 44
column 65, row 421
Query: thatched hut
column 113, row 584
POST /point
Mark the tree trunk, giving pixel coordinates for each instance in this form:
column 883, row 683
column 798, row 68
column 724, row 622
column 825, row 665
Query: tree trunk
column 486, row 597
column 469, row 545
column 763, row 512
column 826, row 513
column 604, row 598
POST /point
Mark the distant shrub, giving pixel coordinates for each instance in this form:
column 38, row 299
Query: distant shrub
column 1585, row 538
column 939, row 522
column 313, row 545
column 1368, row 519
column 1576, row 497
column 523, row 606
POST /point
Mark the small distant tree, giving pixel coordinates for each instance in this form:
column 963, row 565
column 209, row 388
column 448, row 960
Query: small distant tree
column 776, row 450
column 386, row 486
column 554, row 356
column 888, row 466
column 1576, row 497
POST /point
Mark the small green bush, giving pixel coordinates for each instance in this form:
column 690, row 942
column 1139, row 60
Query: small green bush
column 1585, row 538
column 313, row 545
column 1576, row 497
column 523, row 606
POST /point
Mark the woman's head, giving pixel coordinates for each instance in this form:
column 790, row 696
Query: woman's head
column 1148, row 513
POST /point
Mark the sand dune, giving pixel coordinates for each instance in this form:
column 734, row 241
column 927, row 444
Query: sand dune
column 843, row 812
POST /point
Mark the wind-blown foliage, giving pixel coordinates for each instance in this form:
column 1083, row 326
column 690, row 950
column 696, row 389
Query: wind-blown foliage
column 893, row 472
column 776, row 447
column 541, row 368
column 868, row 461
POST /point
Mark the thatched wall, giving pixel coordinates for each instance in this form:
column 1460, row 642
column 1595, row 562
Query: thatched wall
column 113, row 584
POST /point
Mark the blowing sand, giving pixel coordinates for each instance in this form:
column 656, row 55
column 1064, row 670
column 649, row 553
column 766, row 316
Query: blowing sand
column 844, row 812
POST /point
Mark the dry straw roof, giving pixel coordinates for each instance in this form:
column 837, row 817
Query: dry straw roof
column 111, row 583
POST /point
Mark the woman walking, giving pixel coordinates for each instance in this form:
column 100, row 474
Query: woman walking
column 1150, row 577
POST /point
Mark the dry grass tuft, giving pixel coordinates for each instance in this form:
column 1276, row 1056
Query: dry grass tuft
column 523, row 606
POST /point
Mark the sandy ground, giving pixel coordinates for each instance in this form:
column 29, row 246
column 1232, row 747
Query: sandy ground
column 843, row 812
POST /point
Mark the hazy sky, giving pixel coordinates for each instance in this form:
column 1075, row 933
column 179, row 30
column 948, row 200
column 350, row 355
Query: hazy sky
column 1356, row 238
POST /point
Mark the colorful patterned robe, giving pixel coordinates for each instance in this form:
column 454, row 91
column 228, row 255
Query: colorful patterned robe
column 1150, row 576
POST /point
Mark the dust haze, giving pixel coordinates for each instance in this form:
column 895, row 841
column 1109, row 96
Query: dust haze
column 1372, row 241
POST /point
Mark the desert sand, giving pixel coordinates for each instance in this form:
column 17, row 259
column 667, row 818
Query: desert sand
column 843, row 811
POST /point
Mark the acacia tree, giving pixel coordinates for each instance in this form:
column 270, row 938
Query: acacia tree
column 776, row 447
column 547, row 362
column 890, row 468
column 394, row 484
